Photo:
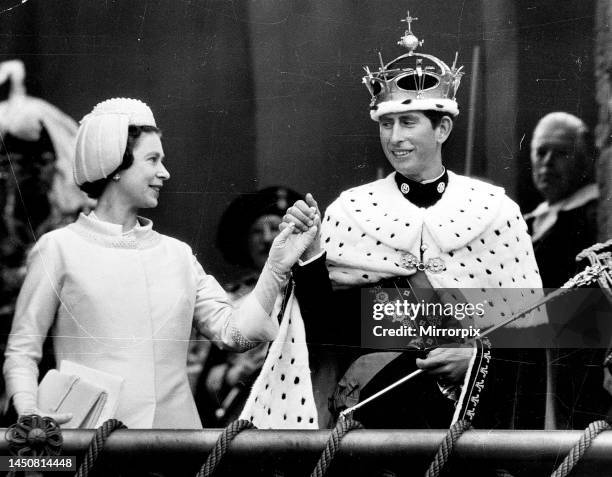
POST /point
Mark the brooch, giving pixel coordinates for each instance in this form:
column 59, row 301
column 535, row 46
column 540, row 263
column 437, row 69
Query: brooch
column 433, row 265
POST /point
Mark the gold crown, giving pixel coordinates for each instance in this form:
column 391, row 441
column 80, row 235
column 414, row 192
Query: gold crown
column 428, row 85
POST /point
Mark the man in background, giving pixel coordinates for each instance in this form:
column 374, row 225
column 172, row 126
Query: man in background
column 562, row 158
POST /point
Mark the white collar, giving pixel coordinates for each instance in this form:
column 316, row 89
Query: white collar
column 429, row 181
column 112, row 235
column 545, row 215
column 117, row 229
column 464, row 211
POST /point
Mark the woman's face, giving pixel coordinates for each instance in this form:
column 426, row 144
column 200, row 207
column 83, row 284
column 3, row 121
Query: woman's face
column 141, row 183
column 261, row 235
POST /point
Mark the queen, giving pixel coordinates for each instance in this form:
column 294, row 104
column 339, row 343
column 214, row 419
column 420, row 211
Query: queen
column 120, row 298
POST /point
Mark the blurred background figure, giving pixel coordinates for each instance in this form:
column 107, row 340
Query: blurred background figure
column 246, row 232
column 562, row 159
column 37, row 190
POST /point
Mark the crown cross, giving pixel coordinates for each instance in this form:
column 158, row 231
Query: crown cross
column 409, row 40
column 409, row 20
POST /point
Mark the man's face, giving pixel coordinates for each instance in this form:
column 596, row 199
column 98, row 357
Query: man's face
column 557, row 166
column 412, row 145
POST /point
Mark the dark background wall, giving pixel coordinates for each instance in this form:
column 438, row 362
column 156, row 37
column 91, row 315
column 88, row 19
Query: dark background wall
column 556, row 45
column 188, row 60
column 314, row 129
column 260, row 92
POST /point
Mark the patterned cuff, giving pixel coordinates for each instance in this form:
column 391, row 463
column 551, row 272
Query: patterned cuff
column 243, row 343
column 276, row 271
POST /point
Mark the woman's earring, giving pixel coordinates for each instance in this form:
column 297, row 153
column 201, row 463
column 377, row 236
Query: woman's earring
column 116, row 177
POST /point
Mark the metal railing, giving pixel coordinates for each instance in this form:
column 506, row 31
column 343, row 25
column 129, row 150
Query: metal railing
column 257, row 452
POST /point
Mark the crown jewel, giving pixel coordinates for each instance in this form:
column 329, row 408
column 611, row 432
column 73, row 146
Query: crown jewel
column 400, row 85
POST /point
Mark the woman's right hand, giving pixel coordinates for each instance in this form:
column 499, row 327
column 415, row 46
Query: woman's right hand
column 288, row 247
column 25, row 404
column 303, row 215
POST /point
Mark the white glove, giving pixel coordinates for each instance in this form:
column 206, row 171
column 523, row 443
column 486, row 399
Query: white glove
column 288, row 247
column 25, row 403
column 303, row 215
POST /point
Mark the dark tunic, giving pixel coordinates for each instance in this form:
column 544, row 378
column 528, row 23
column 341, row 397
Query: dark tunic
column 576, row 370
column 556, row 250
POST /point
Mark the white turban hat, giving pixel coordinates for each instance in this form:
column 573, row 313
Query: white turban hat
column 103, row 134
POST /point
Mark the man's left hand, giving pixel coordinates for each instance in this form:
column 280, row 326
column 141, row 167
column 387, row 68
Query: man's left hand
column 303, row 215
column 449, row 365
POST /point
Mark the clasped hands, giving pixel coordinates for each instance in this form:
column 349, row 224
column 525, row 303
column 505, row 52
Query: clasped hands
column 296, row 237
column 303, row 217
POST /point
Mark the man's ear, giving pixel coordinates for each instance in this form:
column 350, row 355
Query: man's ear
column 444, row 129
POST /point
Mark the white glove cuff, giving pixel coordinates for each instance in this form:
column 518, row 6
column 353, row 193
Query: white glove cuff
column 269, row 285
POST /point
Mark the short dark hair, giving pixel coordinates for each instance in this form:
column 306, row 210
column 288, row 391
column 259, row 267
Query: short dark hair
column 95, row 189
column 435, row 117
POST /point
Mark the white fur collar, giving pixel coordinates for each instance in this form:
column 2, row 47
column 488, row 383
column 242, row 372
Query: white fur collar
column 466, row 209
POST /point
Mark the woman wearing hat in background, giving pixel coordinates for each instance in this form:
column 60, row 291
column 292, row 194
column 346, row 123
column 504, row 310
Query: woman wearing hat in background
column 246, row 232
column 120, row 298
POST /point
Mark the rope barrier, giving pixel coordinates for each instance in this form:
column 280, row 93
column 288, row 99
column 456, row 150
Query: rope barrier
column 575, row 454
column 97, row 444
column 446, row 448
column 343, row 427
column 222, row 445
